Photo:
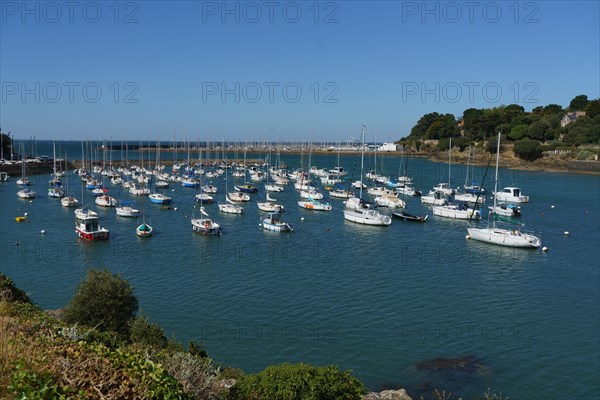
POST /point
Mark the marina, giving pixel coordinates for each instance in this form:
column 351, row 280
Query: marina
column 371, row 299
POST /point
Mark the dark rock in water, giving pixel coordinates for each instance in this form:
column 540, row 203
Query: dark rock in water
column 467, row 364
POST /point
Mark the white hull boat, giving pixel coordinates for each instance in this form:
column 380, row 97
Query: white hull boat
column 504, row 237
column 106, row 201
column 511, row 195
column 454, row 211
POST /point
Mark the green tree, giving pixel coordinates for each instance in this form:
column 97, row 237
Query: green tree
column 6, row 141
column 578, row 103
column 518, row 132
column 527, row 149
column 103, row 300
column 593, row 108
column 538, row 130
column 298, row 382
column 553, row 109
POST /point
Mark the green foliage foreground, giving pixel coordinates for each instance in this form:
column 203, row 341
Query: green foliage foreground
column 299, row 381
column 41, row 357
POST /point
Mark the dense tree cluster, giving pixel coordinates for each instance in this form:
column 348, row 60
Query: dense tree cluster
column 541, row 125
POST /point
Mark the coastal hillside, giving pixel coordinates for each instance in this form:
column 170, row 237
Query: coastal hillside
column 100, row 347
column 548, row 137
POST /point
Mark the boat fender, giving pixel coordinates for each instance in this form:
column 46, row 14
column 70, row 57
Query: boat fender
column 468, row 237
column 544, row 249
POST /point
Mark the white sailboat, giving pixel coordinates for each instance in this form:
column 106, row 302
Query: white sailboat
column 457, row 210
column 501, row 236
column 206, row 226
column 69, row 200
column 359, row 212
column 229, row 207
column 26, row 193
column 269, row 205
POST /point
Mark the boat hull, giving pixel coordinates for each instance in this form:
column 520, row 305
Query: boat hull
column 93, row 235
column 367, row 217
column 504, row 237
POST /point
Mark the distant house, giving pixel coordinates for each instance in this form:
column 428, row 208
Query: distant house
column 570, row 117
column 387, row 147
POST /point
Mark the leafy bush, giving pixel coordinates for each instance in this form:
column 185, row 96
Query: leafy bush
column 196, row 375
column 27, row 384
column 9, row 292
column 585, row 155
column 298, row 382
column 103, row 300
column 527, row 149
column 144, row 332
column 492, row 144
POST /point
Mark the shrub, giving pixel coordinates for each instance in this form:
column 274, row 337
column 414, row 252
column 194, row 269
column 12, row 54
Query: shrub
column 527, row 149
column 9, row 292
column 103, row 300
column 492, row 144
column 298, row 381
column 144, row 332
column 196, row 375
column 585, row 155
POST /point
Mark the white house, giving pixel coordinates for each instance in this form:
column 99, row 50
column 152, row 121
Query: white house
column 570, row 117
column 387, row 147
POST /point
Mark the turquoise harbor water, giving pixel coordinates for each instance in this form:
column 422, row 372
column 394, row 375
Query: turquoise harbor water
column 375, row 300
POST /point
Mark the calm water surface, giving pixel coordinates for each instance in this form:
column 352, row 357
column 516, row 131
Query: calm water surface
column 375, row 300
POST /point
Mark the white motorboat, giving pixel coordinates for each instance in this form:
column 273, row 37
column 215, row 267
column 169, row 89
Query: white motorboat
column 511, row 194
column 315, row 205
column 274, row 223
column 125, row 210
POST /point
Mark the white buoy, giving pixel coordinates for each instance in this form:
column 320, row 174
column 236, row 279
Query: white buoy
column 302, row 219
column 175, row 209
column 25, row 214
column 566, row 233
column 468, row 237
column 552, row 206
column 43, row 231
column 31, row 201
column 544, row 249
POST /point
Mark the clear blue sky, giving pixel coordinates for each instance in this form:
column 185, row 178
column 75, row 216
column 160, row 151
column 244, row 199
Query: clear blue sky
column 385, row 63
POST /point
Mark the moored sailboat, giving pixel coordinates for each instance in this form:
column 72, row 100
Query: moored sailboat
column 502, row 236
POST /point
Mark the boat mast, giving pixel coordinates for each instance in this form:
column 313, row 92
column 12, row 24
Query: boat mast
column 468, row 161
column 496, row 178
column 449, row 162
column 362, row 158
